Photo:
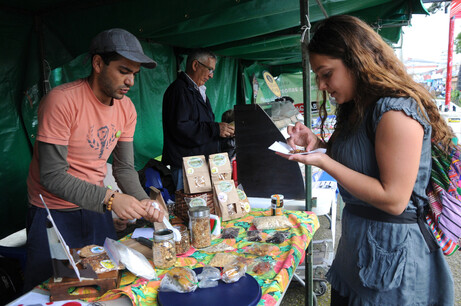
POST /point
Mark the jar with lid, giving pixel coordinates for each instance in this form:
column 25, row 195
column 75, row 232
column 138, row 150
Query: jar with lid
column 164, row 249
column 184, row 245
column 200, row 226
column 277, row 204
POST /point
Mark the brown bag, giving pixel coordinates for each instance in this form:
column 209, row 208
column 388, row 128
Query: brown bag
column 196, row 175
column 220, row 167
column 227, row 201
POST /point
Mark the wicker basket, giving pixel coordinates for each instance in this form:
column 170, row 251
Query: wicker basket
column 181, row 208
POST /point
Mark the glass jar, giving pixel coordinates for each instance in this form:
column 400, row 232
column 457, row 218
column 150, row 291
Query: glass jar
column 277, row 204
column 184, row 245
column 164, row 249
column 200, row 226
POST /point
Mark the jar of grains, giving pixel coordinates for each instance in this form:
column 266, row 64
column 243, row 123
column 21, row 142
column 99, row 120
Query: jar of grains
column 184, row 245
column 164, row 249
column 200, row 226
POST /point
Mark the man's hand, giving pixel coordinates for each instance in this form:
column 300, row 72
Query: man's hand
column 226, row 130
column 153, row 214
column 127, row 207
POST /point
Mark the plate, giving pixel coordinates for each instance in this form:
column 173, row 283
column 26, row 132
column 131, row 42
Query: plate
column 244, row 292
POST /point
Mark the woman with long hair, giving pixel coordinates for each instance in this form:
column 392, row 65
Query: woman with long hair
column 380, row 154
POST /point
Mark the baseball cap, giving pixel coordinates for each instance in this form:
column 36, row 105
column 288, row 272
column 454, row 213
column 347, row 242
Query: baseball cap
column 122, row 42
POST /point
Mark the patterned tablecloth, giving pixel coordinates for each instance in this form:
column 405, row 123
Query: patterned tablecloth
column 285, row 259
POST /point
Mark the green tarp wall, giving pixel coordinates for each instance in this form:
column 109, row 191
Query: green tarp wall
column 47, row 40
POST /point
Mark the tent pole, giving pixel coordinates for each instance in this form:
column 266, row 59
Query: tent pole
column 304, row 10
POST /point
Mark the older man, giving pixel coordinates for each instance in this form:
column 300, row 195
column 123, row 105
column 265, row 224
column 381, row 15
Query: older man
column 189, row 126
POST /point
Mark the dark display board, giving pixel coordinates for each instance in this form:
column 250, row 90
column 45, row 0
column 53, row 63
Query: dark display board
column 260, row 171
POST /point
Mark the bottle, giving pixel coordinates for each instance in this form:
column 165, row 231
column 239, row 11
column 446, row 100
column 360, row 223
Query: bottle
column 200, row 226
column 277, row 204
column 164, row 249
column 184, row 245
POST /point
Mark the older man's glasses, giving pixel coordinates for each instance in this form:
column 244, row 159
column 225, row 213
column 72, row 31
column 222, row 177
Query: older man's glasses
column 210, row 70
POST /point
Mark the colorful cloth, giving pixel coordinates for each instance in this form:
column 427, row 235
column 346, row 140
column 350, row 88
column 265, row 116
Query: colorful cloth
column 285, row 258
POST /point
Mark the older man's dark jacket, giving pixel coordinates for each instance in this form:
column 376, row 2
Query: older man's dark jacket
column 189, row 126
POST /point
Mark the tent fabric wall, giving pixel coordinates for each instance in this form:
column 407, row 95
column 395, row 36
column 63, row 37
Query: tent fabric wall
column 241, row 32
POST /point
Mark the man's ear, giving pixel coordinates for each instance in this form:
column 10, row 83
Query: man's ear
column 97, row 63
column 195, row 65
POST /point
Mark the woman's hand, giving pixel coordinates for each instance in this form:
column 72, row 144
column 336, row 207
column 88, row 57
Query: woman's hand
column 313, row 159
column 301, row 135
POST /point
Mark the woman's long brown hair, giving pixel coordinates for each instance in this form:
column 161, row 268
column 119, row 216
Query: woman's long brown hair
column 378, row 73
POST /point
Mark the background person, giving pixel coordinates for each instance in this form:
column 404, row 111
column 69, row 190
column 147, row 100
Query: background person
column 228, row 144
column 380, row 154
column 189, row 126
column 79, row 125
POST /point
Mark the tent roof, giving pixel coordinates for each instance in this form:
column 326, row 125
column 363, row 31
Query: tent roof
column 263, row 30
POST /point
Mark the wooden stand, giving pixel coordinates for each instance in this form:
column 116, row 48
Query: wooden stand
column 105, row 281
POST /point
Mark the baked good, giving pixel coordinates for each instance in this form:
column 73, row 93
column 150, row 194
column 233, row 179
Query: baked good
column 91, row 250
column 183, row 277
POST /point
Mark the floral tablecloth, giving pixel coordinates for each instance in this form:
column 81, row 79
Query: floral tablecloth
column 286, row 258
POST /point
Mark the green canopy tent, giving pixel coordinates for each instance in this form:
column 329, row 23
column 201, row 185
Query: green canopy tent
column 44, row 44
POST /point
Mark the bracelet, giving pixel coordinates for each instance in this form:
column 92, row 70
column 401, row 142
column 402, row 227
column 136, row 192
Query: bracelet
column 109, row 203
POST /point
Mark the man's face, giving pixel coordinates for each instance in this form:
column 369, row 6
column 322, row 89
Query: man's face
column 115, row 79
column 204, row 70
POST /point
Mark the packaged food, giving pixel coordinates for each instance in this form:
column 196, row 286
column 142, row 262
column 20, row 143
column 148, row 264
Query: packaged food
column 209, row 277
column 200, row 226
column 91, row 250
column 230, row 233
column 184, row 245
column 272, row 222
column 101, row 263
column 233, row 272
column 261, row 267
column 262, row 249
column 220, row 247
column 254, row 235
column 164, row 249
column 277, row 204
column 222, row 259
column 179, row 279
column 278, row 237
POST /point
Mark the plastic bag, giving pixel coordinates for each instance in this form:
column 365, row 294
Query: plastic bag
column 132, row 259
column 179, row 279
column 278, row 237
column 230, row 233
column 254, row 235
column 233, row 272
column 261, row 266
column 262, row 249
column 209, row 277
column 272, row 222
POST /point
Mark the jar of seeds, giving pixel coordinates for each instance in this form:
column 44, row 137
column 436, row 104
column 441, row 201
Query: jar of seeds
column 164, row 249
column 200, row 226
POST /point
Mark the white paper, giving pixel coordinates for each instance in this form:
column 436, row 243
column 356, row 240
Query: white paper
column 284, row 148
column 61, row 239
column 146, row 232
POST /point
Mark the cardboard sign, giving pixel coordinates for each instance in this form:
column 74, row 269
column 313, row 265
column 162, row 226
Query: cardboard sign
column 196, row 175
column 220, row 167
column 227, row 200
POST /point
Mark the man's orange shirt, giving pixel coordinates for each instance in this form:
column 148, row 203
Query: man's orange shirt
column 72, row 116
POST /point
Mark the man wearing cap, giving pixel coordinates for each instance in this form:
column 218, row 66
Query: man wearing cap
column 189, row 126
column 79, row 125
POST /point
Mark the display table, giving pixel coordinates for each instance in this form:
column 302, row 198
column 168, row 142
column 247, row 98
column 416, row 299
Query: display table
column 273, row 284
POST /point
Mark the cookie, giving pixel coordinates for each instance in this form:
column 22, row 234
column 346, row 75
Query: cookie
column 91, row 250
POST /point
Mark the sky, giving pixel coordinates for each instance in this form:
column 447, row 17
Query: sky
column 427, row 37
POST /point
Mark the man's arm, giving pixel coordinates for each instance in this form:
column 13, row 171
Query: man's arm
column 54, row 177
column 124, row 172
